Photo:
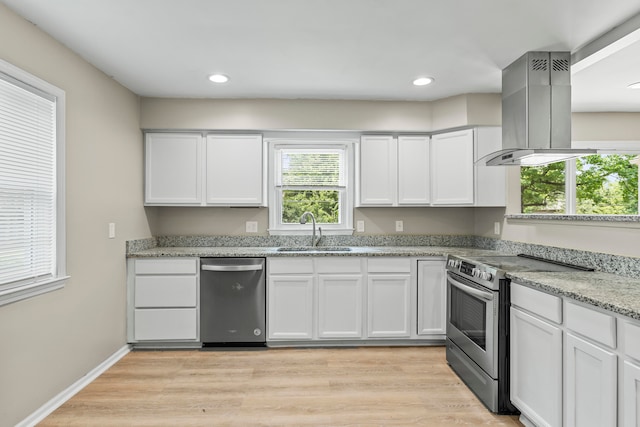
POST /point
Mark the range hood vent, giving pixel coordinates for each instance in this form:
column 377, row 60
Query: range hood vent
column 536, row 111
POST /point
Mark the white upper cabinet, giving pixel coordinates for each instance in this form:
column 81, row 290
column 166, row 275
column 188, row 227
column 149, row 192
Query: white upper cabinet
column 413, row 170
column 234, row 170
column 184, row 169
column 173, row 171
column 490, row 181
column 394, row 171
column 452, row 168
column 378, row 178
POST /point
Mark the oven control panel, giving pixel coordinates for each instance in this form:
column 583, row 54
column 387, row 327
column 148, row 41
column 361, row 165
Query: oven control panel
column 477, row 271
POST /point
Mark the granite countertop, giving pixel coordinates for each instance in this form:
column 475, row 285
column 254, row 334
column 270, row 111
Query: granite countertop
column 618, row 294
column 230, row 251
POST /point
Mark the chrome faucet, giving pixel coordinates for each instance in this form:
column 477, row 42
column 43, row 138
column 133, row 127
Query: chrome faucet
column 303, row 220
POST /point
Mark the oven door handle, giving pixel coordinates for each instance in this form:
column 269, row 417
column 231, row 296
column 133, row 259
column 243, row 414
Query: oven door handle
column 487, row 296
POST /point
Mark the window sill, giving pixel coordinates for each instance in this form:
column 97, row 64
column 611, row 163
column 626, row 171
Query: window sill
column 593, row 220
column 18, row 293
column 306, row 232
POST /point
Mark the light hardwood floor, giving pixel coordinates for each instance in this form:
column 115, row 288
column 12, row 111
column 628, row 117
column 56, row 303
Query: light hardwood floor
column 373, row 386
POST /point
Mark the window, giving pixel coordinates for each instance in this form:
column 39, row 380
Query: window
column 310, row 176
column 601, row 184
column 32, row 245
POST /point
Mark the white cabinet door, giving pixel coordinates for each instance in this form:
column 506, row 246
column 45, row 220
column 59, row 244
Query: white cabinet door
column 452, row 168
column 166, row 291
column 389, row 305
column 167, row 324
column 591, row 384
column 173, row 171
column 631, row 395
column 432, row 298
column 340, row 306
column 235, row 170
column 378, row 171
column 536, row 368
column 290, row 307
column 414, row 185
column 490, row 181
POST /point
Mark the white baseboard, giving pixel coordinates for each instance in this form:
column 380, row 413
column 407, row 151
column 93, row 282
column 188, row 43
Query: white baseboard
column 53, row 404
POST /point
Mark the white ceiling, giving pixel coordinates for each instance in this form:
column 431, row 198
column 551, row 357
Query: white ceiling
column 337, row 49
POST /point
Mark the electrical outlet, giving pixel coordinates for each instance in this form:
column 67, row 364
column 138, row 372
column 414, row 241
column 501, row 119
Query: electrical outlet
column 399, row 226
column 251, row 226
column 112, row 230
column 496, row 228
column 360, row 226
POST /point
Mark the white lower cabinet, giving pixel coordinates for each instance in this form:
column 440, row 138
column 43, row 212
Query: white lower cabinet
column 591, row 382
column 536, row 368
column 574, row 365
column 353, row 299
column 165, row 324
column 163, row 300
column 388, row 298
column 290, row 307
column 389, row 312
column 629, row 376
column 631, row 394
column 340, row 306
column 432, row 298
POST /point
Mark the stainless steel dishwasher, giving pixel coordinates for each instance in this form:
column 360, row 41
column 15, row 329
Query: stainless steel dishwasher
column 232, row 301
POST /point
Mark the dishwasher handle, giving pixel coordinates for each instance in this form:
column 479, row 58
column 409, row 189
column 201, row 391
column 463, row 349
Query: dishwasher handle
column 245, row 267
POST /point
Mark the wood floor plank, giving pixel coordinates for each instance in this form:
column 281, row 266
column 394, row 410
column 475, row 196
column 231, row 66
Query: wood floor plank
column 369, row 386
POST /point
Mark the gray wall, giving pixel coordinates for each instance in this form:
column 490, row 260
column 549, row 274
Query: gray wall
column 50, row 341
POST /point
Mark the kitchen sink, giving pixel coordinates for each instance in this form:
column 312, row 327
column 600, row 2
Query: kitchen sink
column 315, row 249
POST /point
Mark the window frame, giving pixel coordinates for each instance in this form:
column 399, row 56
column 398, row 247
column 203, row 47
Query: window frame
column 345, row 226
column 16, row 291
column 602, row 147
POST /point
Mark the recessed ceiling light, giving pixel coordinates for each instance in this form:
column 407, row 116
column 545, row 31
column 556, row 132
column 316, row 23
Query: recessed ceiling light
column 218, row 78
column 635, row 85
column 423, row 81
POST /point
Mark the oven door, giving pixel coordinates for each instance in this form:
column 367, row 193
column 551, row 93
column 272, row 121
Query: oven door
column 472, row 321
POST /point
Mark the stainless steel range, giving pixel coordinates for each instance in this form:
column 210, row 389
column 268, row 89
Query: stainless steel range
column 478, row 321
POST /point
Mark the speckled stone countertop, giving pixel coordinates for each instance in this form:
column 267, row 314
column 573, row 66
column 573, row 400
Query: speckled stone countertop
column 560, row 217
column 612, row 292
column 225, row 251
column 615, row 286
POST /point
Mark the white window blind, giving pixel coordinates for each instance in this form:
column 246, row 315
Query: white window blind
column 311, row 168
column 27, row 184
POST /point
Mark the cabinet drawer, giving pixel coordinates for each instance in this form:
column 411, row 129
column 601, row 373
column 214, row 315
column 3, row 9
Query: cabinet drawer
column 631, row 339
column 338, row 265
column 166, row 266
column 290, row 265
column 165, row 324
column 591, row 323
column 165, row 291
column 388, row 265
column 537, row 302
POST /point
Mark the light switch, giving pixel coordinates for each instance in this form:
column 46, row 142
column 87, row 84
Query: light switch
column 251, row 226
column 360, row 226
column 112, row 230
column 399, row 226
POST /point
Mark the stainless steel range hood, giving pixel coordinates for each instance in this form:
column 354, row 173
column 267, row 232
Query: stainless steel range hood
column 536, row 111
